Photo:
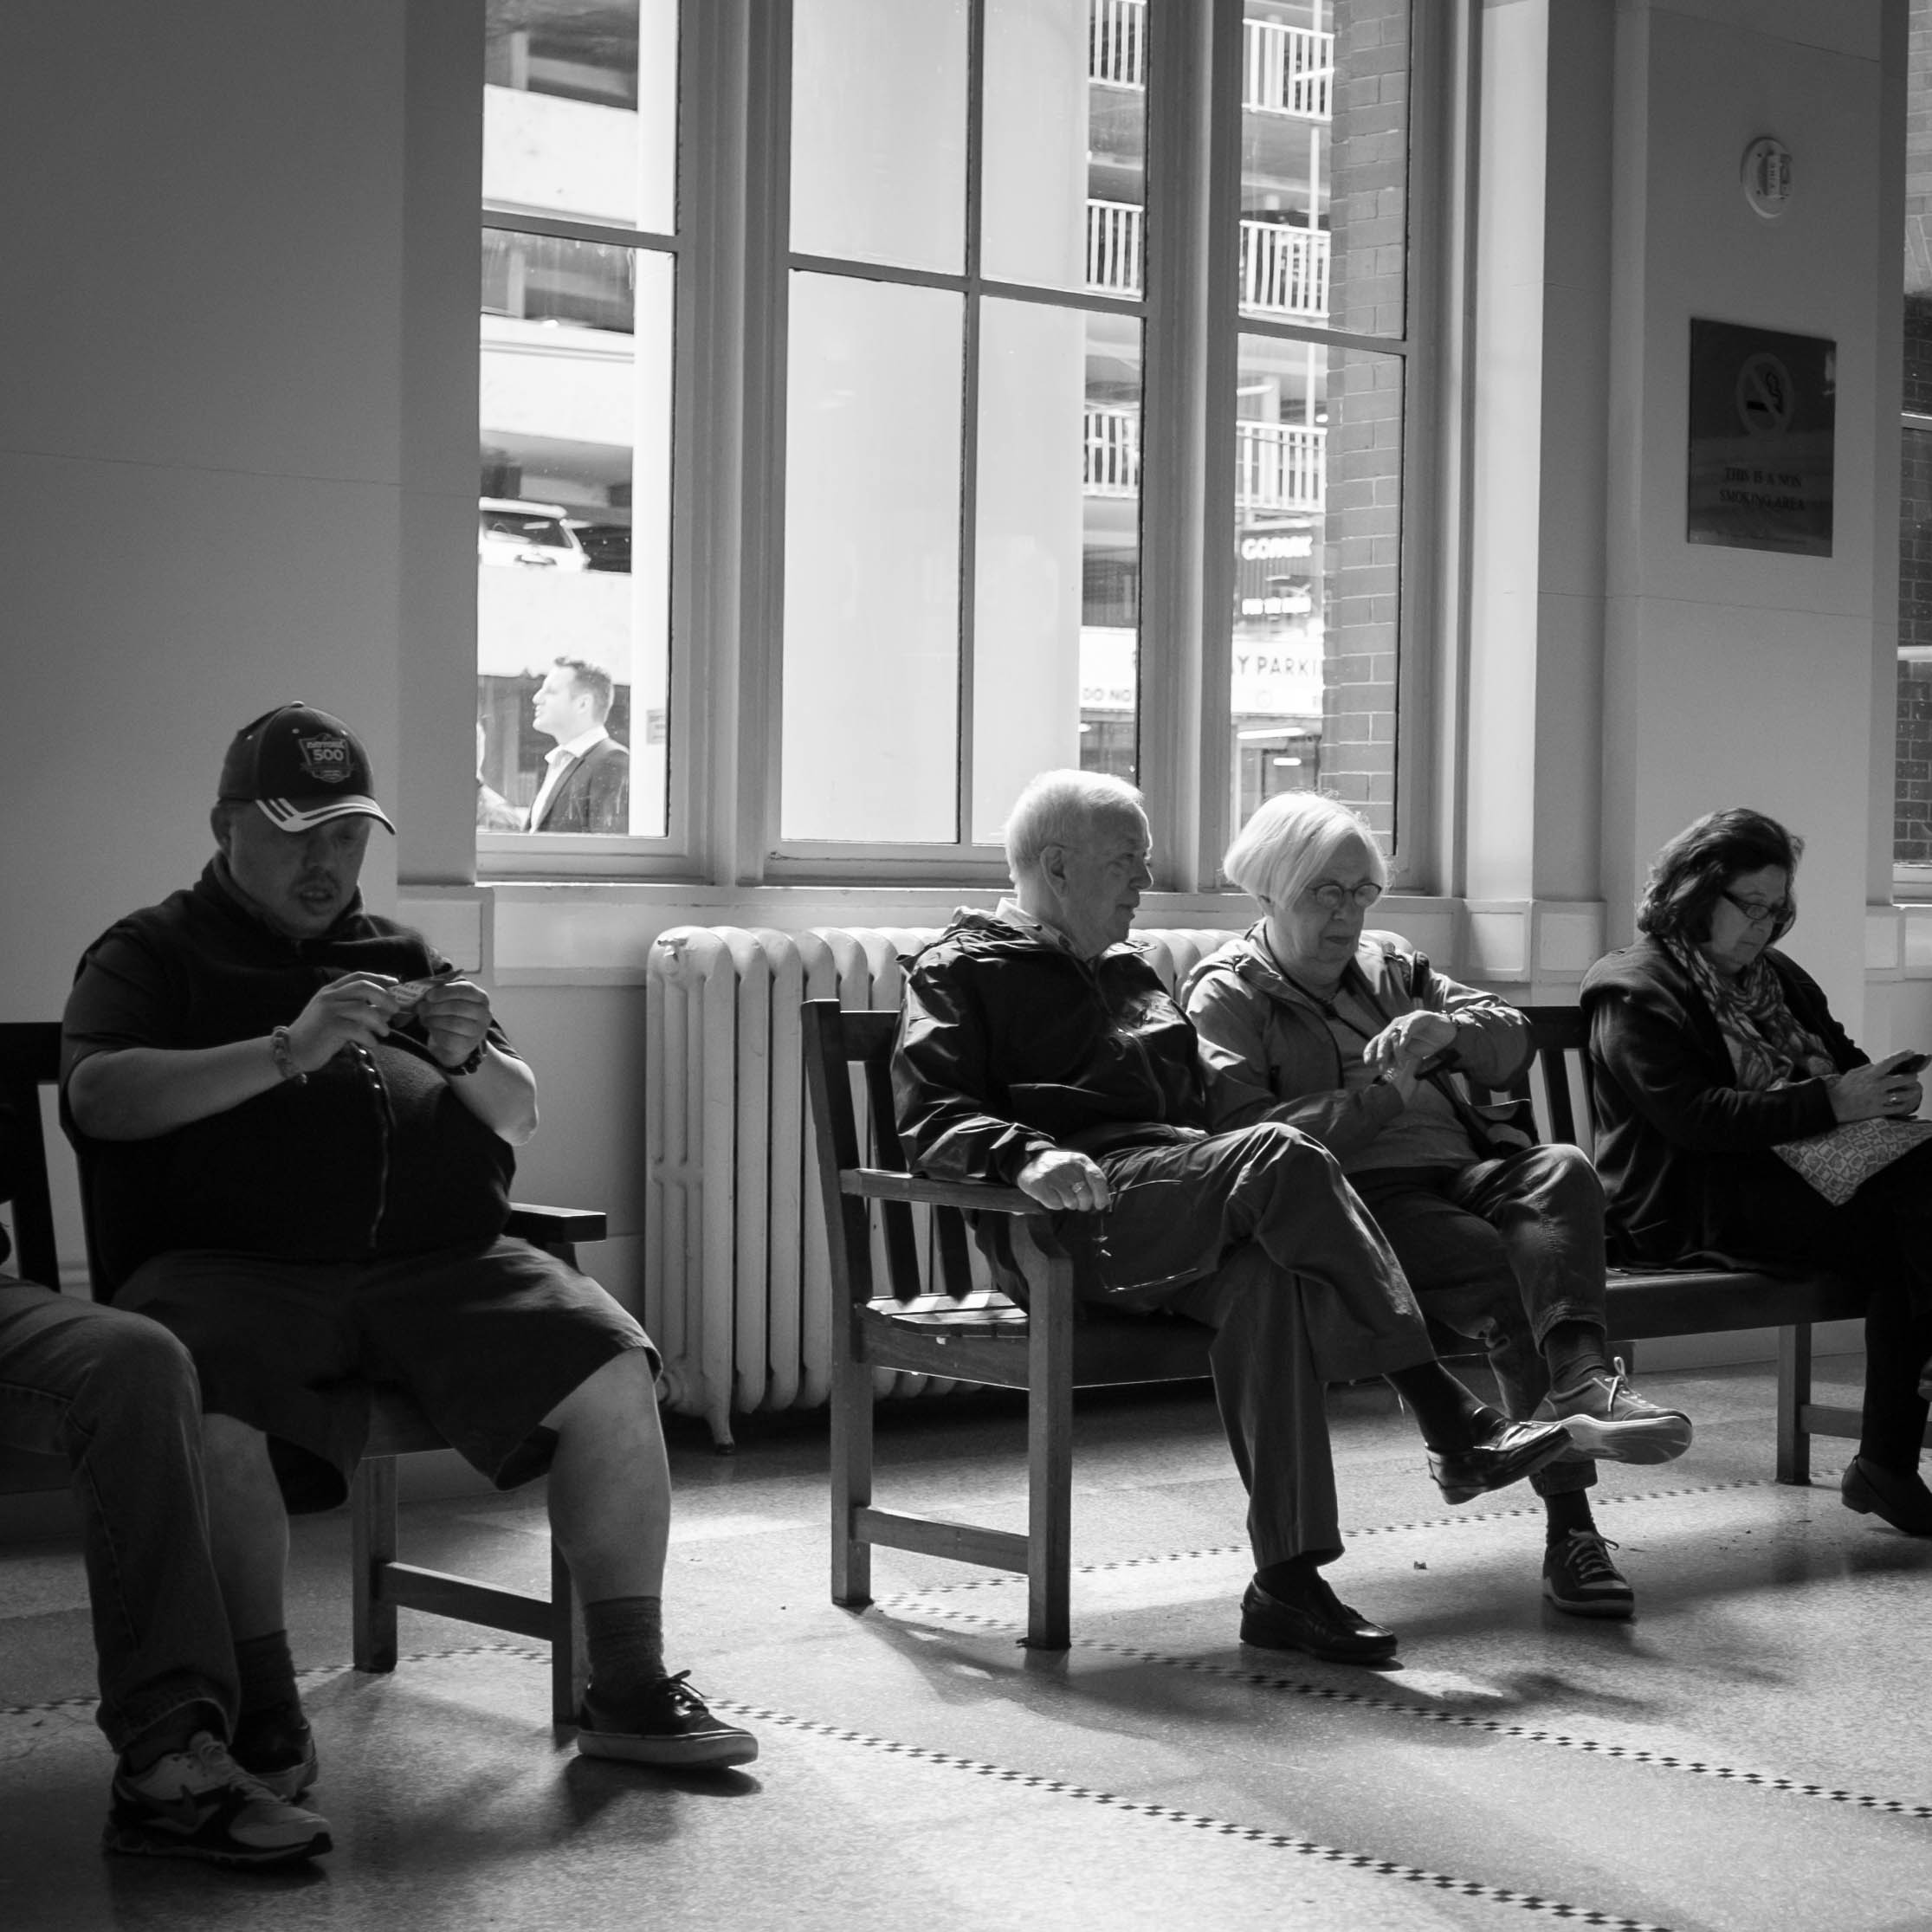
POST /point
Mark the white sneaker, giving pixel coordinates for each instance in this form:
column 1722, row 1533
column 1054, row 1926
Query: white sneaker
column 200, row 1804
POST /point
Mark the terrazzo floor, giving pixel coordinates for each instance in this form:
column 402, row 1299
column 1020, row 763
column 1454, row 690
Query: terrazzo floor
column 1749, row 1754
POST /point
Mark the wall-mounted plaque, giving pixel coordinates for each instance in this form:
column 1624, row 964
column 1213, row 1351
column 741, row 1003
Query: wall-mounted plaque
column 1762, row 408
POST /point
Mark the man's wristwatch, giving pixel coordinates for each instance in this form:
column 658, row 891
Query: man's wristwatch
column 468, row 1065
column 285, row 1057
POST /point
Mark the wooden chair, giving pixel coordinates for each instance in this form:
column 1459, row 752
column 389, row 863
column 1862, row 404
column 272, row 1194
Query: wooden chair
column 1649, row 1303
column 380, row 1583
column 879, row 1215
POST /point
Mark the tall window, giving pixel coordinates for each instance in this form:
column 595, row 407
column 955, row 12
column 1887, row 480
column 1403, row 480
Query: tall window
column 1912, row 797
column 963, row 409
column 966, row 294
column 574, row 513
column 1319, row 401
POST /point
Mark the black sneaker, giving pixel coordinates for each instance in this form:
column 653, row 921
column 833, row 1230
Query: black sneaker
column 1579, row 1578
column 667, row 1724
column 275, row 1746
column 200, row 1804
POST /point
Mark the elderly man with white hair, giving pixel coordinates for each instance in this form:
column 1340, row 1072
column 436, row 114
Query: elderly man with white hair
column 1038, row 1049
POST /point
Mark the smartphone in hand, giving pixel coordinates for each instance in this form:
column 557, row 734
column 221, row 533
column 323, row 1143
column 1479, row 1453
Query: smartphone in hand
column 1911, row 1063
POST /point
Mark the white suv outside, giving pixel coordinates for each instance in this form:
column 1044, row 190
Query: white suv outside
column 534, row 536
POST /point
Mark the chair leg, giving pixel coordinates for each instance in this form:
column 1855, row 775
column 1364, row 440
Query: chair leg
column 1794, row 1395
column 1049, row 1462
column 567, row 1671
column 851, row 1480
column 372, row 1547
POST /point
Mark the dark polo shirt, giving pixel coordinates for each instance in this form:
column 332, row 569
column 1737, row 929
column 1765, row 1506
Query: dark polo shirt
column 374, row 1155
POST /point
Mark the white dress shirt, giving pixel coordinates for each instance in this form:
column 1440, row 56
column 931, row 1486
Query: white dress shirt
column 559, row 759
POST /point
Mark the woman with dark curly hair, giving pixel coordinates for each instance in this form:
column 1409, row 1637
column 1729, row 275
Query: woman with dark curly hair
column 1737, row 1123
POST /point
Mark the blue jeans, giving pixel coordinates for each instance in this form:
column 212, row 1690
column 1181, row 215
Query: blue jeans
column 115, row 1394
column 1500, row 1252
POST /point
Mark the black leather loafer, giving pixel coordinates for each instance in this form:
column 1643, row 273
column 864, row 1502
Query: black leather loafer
column 1874, row 1490
column 1510, row 1451
column 1320, row 1623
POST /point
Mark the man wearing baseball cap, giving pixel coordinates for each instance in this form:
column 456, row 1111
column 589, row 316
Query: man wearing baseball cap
column 298, row 1123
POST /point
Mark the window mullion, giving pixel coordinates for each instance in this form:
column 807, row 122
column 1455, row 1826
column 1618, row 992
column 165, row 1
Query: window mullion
column 969, row 411
column 1187, row 261
column 748, row 787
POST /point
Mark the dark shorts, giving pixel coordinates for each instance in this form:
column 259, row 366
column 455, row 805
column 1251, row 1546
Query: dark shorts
column 487, row 1341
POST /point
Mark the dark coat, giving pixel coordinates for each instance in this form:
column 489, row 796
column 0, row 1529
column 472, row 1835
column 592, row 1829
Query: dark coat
column 595, row 794
column 1010, row 1047
column 1680, row 1146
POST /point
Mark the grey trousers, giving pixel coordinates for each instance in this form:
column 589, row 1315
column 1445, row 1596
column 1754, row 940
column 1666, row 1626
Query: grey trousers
column 1256, row 1234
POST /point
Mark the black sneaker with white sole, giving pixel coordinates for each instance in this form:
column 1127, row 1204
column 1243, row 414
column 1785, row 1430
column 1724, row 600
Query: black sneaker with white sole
column 198, row 1803
column 1579, row 1578
column 668, row 1724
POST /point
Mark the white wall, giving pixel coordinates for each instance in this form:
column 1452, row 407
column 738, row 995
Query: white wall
column 1652, row 679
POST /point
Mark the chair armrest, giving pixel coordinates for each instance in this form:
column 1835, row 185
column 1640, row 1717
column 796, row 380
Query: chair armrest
column 541, row 1226
column 885, row 1183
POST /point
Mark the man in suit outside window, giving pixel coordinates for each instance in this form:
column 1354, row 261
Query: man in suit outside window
column 587, row 788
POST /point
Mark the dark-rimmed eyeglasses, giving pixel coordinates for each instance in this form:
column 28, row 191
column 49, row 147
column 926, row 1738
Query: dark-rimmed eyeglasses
column 1331, row 897
column 1757, row 913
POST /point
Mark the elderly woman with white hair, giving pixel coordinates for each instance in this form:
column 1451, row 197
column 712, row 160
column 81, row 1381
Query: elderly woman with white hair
column 1351, row 1036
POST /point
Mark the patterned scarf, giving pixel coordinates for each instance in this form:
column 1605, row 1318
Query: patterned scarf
column 1768, row 1045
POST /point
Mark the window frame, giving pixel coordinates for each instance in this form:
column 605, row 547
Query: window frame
column 732, row 261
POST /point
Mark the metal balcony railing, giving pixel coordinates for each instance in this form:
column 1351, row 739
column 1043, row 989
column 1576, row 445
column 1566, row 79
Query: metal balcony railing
column 1288, row 70
column 1278, row 466
column 1112, row 452
column 1285, row 70
column 1117, row 43
column 1114, row 233
column 1284, row 271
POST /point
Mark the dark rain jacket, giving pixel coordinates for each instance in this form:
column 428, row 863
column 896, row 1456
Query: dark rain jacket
column 1674, row 1129
column 1009, row 1047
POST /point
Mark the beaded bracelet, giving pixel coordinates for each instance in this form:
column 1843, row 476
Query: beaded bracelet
column 468, row 1065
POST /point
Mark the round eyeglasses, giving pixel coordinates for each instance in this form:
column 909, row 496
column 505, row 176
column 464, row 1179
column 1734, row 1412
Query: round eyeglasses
column 1332, row 897
column 1756, row 912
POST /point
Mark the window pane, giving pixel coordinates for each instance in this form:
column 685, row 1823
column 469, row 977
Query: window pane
column 878, row 130
column 573, row 529
column 1056, row 599
column 1912, row 797
column 1066, row 143
column 870, row 745
column 580, row 109
column 1317, row 543
column 1324, row 162
column 1912, row 793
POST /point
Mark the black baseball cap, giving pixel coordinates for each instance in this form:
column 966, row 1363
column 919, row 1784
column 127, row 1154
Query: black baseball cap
column 303, row 768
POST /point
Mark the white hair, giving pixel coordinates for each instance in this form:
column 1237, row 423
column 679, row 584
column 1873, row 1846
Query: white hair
column 1289, row 843
column 1056, row 808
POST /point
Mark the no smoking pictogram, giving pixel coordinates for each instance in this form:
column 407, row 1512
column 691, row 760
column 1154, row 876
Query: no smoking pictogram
column 1766, row 395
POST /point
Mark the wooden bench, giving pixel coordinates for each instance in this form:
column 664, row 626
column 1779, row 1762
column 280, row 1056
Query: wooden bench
column 1648, row 1304
column 933, row 1319
column 380, row 1583
column 906, row 1299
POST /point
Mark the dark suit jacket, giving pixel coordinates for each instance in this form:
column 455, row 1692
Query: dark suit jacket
column 595, row 794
